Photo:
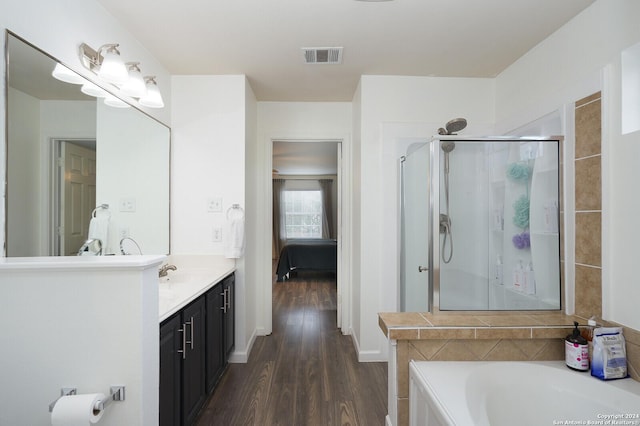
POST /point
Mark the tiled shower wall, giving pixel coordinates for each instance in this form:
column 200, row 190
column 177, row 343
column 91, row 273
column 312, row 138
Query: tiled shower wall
column 588, row 199
column 588, row 202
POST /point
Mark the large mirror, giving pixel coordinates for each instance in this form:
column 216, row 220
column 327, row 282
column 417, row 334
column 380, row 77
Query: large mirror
column 78, row 168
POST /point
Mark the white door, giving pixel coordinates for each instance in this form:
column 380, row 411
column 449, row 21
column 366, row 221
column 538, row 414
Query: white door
column 78, row 196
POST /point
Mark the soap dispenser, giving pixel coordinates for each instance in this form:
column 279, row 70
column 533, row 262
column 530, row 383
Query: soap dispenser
column 576, row 350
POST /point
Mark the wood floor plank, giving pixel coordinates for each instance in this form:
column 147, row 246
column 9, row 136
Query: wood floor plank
column 305, row 373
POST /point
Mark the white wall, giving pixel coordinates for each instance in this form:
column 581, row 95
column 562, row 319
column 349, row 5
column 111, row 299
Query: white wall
column 208, row 151
column 132, row 158
column 105, row 334
column 280, row 121
column 394, row 111
column 578, row 60
column 24, row 212
column 209, row 134
column 33, row 125
column 246, row 327
column 59, row 27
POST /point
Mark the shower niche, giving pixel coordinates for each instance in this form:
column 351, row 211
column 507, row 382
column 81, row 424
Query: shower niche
column 480, row 225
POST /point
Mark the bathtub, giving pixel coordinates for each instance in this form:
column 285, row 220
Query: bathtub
column 507, row 393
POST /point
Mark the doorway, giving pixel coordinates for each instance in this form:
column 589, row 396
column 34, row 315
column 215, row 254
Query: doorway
column 303, row 163
column 74, row 194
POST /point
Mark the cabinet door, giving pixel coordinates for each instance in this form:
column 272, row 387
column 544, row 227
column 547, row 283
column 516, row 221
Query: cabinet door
column 193, row 365
column 229, row 316
column 170, row 378
column 215, row 345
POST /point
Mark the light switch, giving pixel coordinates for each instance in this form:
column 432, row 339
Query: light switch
column 127, row 204
column 214, row 205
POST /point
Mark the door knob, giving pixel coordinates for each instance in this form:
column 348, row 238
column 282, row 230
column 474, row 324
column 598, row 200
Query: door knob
column 422, row 268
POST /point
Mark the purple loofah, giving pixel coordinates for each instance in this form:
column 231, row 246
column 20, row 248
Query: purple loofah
column 522, row 241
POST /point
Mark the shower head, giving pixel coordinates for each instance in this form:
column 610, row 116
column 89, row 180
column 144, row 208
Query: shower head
column 448, row 146
column 455, row 125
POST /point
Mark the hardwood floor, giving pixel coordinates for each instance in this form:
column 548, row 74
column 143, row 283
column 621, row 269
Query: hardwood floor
column 306, row 372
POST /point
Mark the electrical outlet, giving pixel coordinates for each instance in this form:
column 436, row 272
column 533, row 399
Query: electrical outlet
column 217, row 234
column 124, row 232
column 214, row 205
column 127, row 204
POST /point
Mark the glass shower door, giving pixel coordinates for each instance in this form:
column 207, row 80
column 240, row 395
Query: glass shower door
column 414, row 275
column 499, row 225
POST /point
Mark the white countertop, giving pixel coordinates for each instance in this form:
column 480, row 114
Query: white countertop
column 80, row 262
column 190, row 280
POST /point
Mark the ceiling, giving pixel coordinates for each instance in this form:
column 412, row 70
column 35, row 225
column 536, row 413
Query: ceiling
column 263, row 39
column 305, row 158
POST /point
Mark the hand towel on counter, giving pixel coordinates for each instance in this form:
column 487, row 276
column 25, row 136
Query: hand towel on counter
column 234, row 247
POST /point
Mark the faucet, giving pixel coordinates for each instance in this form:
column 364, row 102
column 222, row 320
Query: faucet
column 90, row 246
column 164, row 269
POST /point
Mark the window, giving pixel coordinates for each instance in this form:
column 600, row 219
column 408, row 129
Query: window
column 303, row 214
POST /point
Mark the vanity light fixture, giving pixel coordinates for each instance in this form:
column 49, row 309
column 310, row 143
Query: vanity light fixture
column 62, row 73
column 112, row 101
column 88, row 88
column 135, row 85
column 127, row 78
column 112, row 69
column 153, row 98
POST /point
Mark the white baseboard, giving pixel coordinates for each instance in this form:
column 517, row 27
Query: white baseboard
column 242, row 356
column 366, row 356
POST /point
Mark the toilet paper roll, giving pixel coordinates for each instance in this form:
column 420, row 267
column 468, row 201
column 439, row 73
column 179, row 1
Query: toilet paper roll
column 77, row 410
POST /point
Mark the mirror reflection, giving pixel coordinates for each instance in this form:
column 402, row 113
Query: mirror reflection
column 78, row 168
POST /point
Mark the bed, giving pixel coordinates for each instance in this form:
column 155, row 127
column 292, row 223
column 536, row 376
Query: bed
column 312, row 254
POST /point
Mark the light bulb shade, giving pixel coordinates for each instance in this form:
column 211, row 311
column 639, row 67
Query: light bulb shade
column 153, row 98
column 112, row 101
column 91, row 89
column 62, row 73
column 112, row 69
column 135, row 86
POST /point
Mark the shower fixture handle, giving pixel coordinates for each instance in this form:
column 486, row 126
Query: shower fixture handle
column 422, row 268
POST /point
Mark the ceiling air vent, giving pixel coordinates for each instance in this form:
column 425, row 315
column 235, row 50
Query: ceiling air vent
column 322, row 55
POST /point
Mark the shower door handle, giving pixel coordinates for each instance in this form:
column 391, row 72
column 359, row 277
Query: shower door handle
column 422, row 268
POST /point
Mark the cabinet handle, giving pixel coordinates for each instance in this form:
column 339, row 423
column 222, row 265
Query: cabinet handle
column 224, row 302
column 190, row 341
column 183, row 351
column 228, row 299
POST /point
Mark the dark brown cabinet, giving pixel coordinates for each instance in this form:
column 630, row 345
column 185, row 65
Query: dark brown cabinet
column 216, row 361
column 195, row 344
column 220, row 329
column 170, row 371
column 193, row 362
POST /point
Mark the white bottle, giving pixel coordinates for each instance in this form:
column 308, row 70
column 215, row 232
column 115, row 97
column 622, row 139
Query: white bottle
column 518, row 276
column 499, row 277
column 530, row 280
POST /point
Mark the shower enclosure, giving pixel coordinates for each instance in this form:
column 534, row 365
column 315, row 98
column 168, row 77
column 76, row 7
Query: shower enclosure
column 480, row 224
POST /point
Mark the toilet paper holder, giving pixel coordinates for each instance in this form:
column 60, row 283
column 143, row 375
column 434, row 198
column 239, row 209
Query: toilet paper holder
column 116, row 394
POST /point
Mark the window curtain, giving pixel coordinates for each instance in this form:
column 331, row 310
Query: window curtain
column 278, row 218
column 327, row 208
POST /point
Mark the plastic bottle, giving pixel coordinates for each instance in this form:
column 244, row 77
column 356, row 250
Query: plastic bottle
column 587, row 333
column 499, row 278
column 530, row 279
column 518, row 275
column 576, row 350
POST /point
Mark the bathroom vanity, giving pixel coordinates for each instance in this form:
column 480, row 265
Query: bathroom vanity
column 196, row 336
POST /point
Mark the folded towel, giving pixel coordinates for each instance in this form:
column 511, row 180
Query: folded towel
column 234, row 247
